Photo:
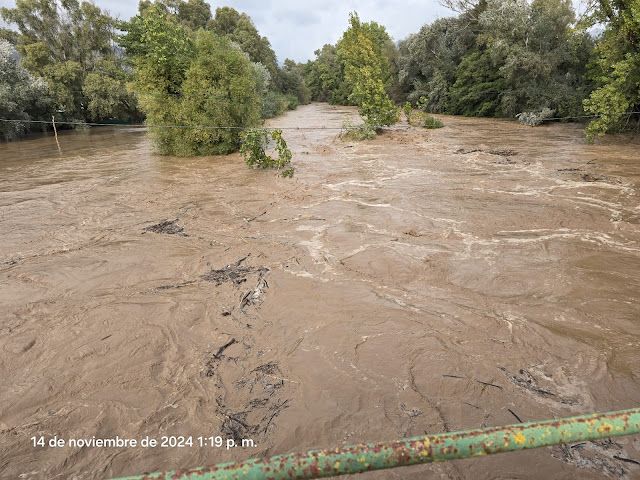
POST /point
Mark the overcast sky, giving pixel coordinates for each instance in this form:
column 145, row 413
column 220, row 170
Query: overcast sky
column 298, row 27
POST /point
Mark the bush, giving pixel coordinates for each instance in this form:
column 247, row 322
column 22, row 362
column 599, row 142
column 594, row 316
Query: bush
column 200, row 81
column 432, row 122
column 276, row 103
column 254, row 144
column 533, row 119
column 292, row 102
column 363, row 131
column 419, row 118
column 22, row 96
column 407, row 108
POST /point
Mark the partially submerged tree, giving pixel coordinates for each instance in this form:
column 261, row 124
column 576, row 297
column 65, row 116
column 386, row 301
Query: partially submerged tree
column 365, row 68
column 194, row 82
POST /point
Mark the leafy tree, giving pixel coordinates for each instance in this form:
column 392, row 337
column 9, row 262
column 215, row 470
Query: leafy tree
column 65, row 42
column 498, row 58
column 292, row 82
column 196, row 80
column 193, row 14
column 239, row 28
column 538, row 55
column 616, row 69
column 478, row 86
column 22, row 96
column 360, row 52
column 325, row 77
column 429, row 59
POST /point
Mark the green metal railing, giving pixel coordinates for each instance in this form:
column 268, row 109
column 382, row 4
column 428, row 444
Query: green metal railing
column 416, row 450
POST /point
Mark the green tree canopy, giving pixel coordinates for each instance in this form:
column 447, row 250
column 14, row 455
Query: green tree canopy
column 239, row 28
column 325, row 77
column 22, row 96
column 197, row 80
column 66, row 43
column 365, row 69
column 616, row 69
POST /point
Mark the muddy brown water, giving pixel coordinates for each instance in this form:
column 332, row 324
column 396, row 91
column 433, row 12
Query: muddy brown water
column 424, row 281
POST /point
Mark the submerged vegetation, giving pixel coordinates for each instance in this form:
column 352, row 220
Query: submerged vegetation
column 254, row 146
column 178, row 64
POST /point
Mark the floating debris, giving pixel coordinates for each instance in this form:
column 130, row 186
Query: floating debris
column 169, row 227
column 507, row 152
column 524, row 379
column 605, row 456
column 234, row 272
column 254, row 296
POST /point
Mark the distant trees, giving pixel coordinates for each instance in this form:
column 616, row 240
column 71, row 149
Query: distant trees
column 325, row 77
column 499, row 58
column 330, row 77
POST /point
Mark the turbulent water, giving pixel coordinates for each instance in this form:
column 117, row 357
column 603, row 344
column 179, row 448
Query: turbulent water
column 424, row 281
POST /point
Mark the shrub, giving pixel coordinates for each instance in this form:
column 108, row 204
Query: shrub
column 407, row 108
column 421, row 119
column 432, row 122
column 364, row 131
column 22, row 96
column 276, row 103
column 533, row 119
column 254, row 144
column 292, row 101
column 196, row 80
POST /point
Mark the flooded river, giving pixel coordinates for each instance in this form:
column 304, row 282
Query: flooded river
column 424, row 281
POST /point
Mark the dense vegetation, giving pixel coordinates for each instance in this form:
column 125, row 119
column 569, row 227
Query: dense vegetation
column 70, row 48
column 177, row 63
column 174, row 63
column 508, row 58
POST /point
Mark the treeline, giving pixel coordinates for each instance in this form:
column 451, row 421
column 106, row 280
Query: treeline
column 174, row 63
column 504, row 58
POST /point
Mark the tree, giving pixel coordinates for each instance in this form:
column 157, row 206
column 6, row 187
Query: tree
column 616, row 69
column 193, row 80
column 239, row 28
column 359, row 50
column 65, row 42
column 538, row 55
column 193, row 14
column 499, row 58
column 22, row 96
column 220, row 89
column 325, row 77
column 428, row 61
